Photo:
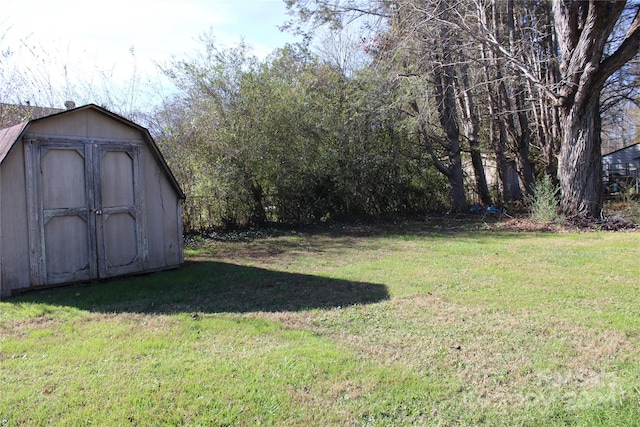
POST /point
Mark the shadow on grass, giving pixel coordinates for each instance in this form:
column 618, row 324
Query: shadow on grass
column 211, row 287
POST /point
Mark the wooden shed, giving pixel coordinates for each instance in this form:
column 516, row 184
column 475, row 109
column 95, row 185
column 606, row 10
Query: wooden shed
column 621, row 168
column 84, row 194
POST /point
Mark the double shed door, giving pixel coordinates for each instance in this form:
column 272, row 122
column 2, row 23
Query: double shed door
column 88, row 199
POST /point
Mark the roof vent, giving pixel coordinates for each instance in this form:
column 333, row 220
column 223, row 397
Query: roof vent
column 69, row 105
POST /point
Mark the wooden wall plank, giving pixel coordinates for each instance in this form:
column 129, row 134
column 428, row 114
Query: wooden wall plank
column 13, row 227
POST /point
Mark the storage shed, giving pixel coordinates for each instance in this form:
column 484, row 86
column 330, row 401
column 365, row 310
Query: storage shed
column 84, row 194
column 621, row 168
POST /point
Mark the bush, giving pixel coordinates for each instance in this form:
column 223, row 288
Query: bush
column 544, row 202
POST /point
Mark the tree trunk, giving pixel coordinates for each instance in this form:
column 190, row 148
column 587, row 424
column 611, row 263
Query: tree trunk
column 445, row 97
column 471, row 128
column 456, row 180
column 478, row 169
column 582, row 29
column 452, row 169
column 509, row 189
column 507, row 170
column 509, row 186
column 258, row 214
column 580, row 162
column 523, row 139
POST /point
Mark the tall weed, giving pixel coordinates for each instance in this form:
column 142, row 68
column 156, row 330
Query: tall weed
column 545, row 201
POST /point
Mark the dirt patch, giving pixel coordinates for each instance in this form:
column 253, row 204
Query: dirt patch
column 24, row 325
column 521, row 222
column 610, row 223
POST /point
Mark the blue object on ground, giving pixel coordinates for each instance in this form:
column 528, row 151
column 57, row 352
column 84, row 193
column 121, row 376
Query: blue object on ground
column 494, row 210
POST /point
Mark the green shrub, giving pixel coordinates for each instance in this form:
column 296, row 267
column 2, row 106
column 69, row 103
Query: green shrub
column 544, row 202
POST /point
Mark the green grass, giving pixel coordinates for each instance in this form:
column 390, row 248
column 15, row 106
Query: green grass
column 393, row 326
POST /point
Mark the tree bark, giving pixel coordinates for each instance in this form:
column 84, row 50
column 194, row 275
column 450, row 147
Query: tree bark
column 445, row 97
column 581, row 161
column 525, row 169
column 582, row 30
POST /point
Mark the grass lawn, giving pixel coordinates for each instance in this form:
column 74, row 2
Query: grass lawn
column 402, row 325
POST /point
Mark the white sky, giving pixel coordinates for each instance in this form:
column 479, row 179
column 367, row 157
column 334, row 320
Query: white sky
column 89, row 35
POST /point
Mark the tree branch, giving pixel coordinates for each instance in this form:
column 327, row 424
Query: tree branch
column 485, row 37
column 625, row 52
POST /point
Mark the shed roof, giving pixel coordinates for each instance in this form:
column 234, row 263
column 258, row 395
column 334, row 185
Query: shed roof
column 9, row 136
column 628, row 147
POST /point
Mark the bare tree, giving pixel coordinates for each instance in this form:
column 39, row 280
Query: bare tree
column 582, row 30
column 557, row 72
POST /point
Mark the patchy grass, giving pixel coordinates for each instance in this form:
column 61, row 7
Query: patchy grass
column 411, row 324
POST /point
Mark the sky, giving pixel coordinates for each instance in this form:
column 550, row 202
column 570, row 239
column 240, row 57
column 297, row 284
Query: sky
column 121, row 34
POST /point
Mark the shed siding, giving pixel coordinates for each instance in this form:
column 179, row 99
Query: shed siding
column 172, row 232
column 630, row 155
column 84, row 124
column 14, row 227
column 99, row 126
column 161, row 220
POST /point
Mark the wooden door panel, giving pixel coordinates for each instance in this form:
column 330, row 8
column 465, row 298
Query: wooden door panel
column 118, row 228
column 63, row 179
column 66, row 241
column 117, row 189
column 120, row 242
column 67, row 249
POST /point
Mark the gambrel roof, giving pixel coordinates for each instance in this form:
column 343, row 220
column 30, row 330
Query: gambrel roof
column 9, row 136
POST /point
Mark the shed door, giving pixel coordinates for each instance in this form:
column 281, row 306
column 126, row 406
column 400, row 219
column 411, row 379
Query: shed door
column 118, row 232
column 90, row 224
column 67, row 250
